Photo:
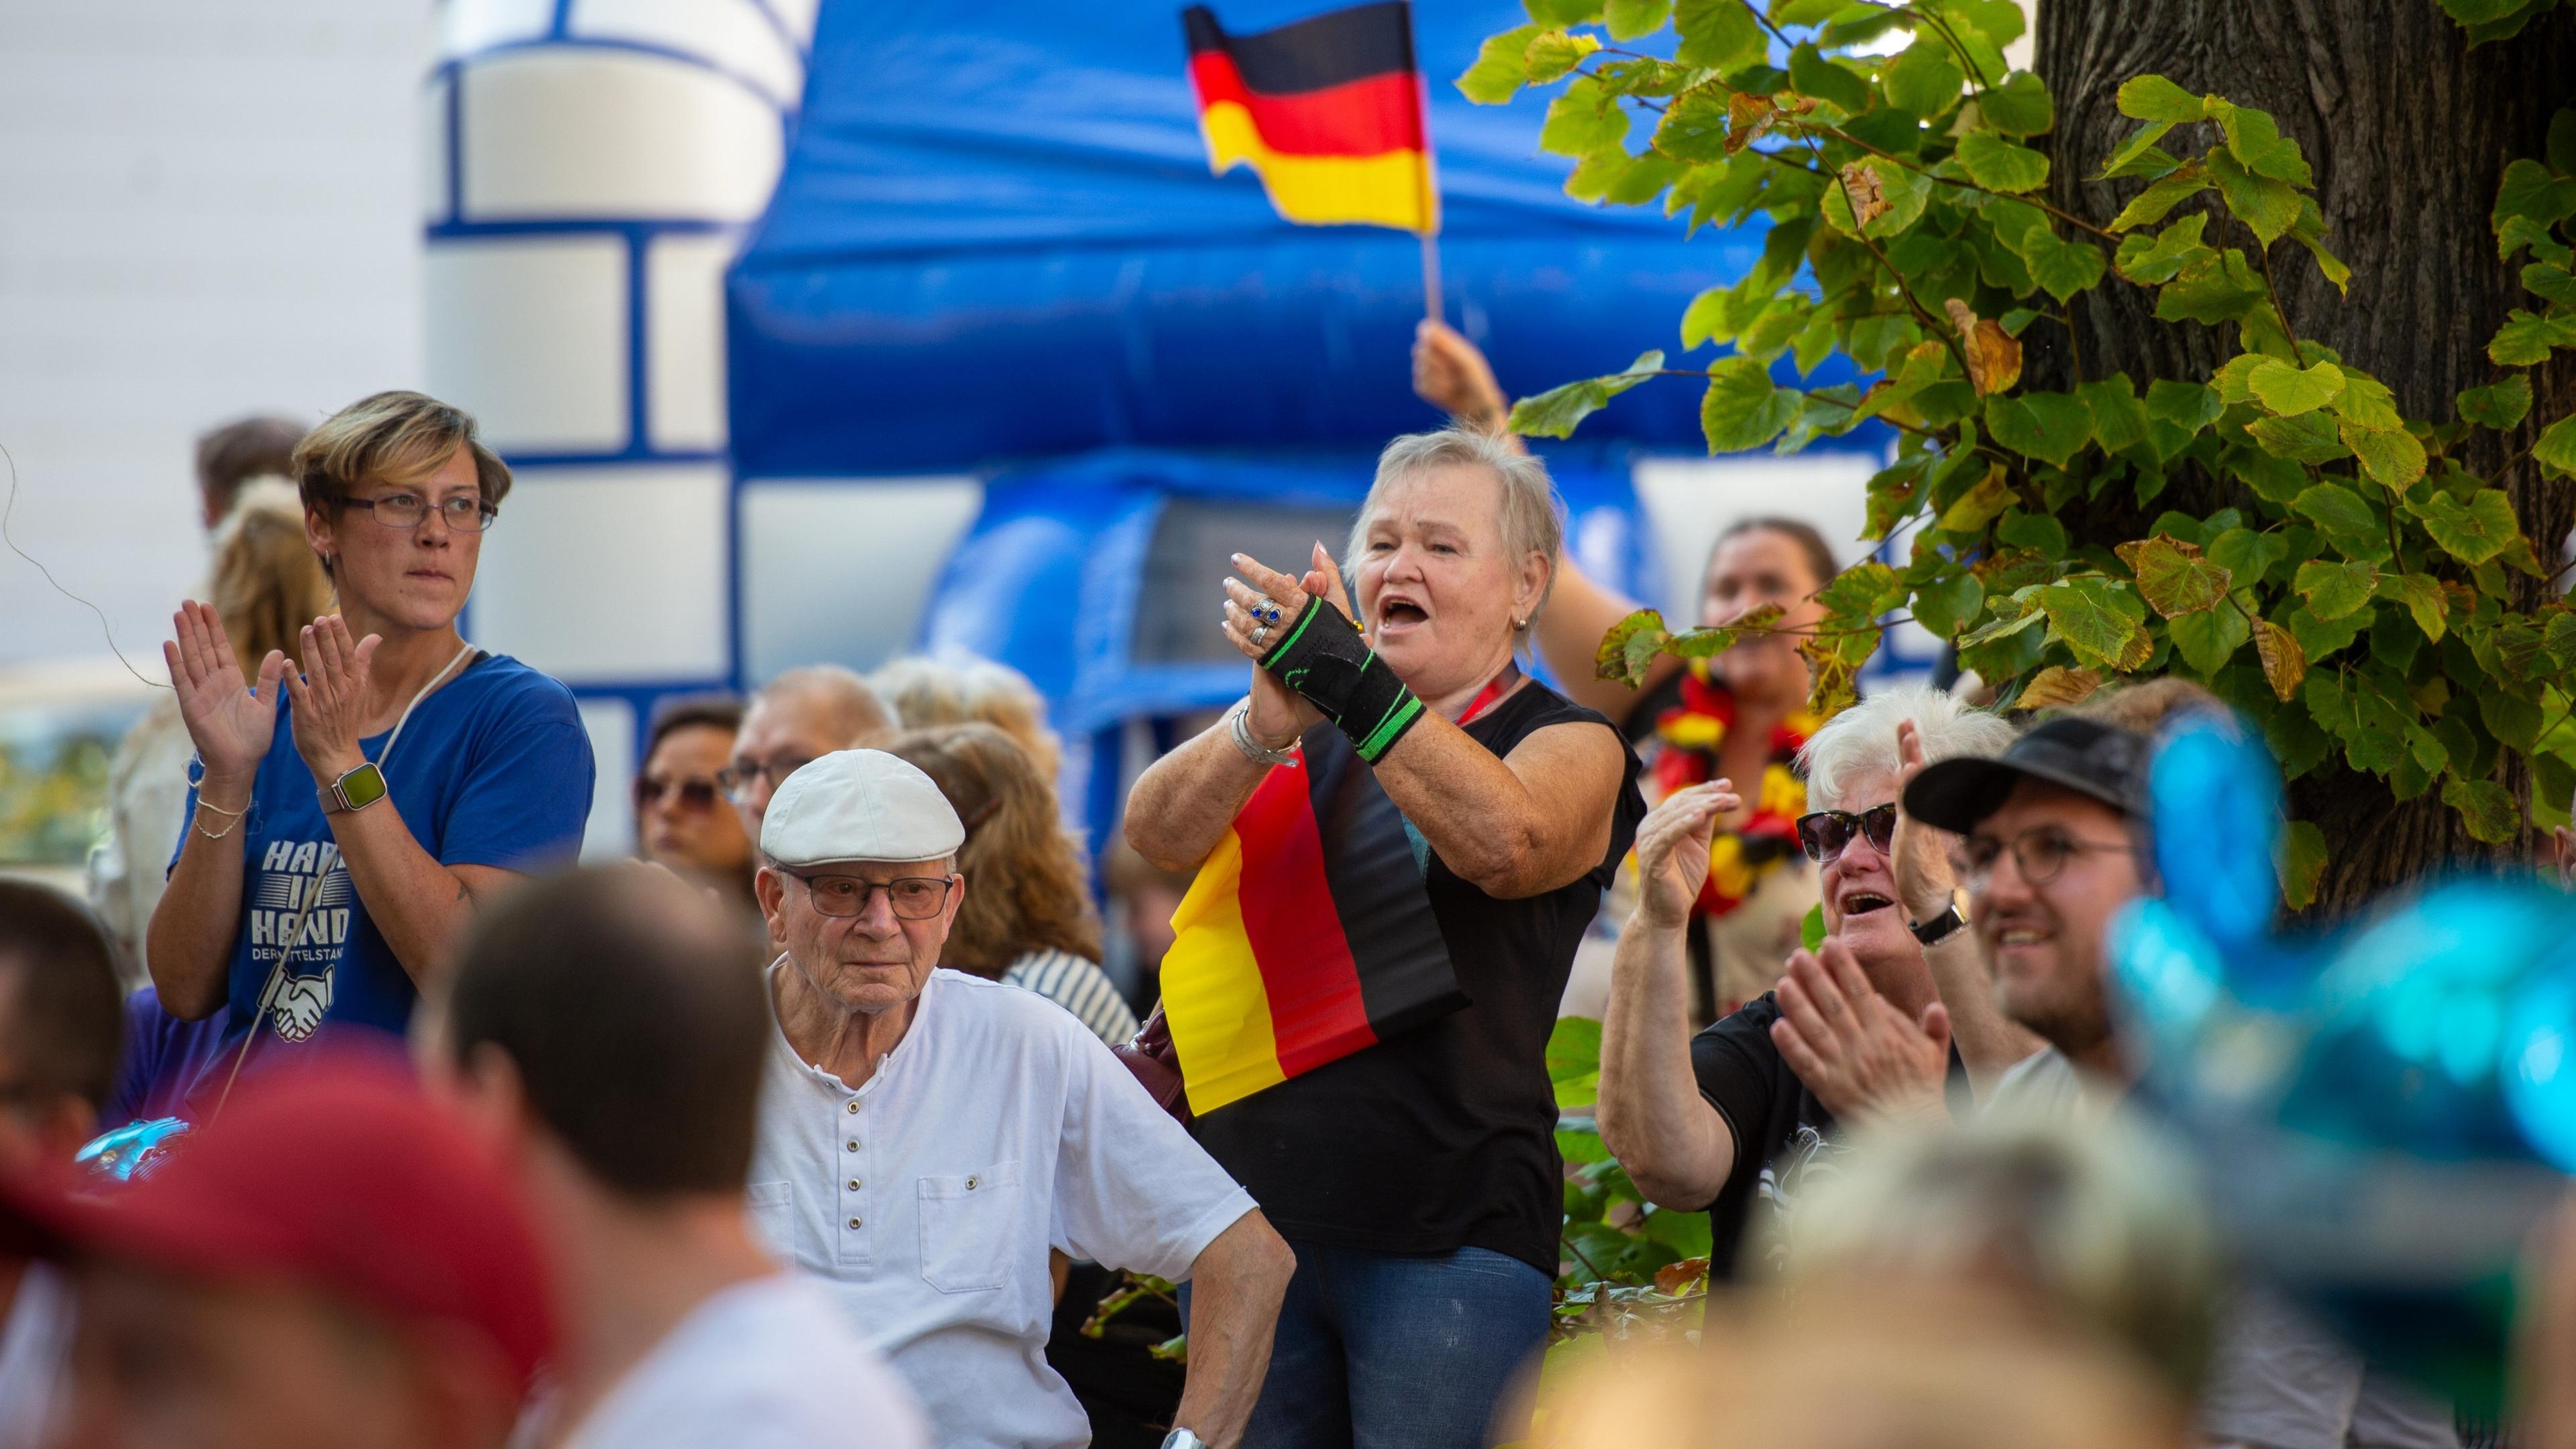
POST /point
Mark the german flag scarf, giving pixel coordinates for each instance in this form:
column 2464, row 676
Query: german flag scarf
column 1308, row 934
column 1327, row 111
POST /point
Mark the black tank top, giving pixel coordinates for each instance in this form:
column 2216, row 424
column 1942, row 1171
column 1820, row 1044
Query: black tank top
column 1444, row 1137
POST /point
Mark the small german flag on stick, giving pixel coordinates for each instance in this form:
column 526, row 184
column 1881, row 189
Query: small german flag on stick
column 1328, row 111
column 1307, row 935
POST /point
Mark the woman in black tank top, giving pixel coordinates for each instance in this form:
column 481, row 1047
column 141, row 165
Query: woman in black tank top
column 1417, row 1178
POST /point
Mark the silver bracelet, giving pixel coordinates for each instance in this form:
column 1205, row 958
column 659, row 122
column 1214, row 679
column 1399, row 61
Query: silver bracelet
column 1252, row 749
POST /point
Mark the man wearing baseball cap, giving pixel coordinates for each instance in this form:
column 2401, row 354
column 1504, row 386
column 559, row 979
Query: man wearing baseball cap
column 925, row 1136
column 332, row 1261
column 2053, row 840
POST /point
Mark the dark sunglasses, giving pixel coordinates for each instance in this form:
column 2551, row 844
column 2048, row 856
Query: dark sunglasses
column 697, row 794
column 1826, row 832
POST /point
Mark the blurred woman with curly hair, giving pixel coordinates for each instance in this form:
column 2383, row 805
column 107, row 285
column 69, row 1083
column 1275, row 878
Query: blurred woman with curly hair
column 1027, row 918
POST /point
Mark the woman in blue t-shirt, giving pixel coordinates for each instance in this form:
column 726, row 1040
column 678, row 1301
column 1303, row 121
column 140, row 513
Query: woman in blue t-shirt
column 329, row 860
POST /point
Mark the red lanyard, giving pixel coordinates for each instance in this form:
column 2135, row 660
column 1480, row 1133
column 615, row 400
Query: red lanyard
column 1492, row 694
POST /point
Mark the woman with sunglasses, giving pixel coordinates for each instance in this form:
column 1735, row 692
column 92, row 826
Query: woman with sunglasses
column 682, row 819
column 1730, row 1121
column 345, row 819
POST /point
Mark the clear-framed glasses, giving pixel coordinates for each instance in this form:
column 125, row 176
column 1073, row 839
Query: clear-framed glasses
column 914, row 897
column 735, row 780
column 1825, row 833
column 2040, row 853
column 465, row 513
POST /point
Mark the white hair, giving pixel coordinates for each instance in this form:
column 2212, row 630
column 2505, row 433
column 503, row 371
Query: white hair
column 1532, row 517
column 1863, row 738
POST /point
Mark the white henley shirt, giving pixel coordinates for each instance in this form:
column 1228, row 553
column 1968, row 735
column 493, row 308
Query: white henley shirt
column 927, row 1199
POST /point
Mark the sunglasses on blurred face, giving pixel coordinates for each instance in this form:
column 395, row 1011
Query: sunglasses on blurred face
column 1826, row 833
column 697, row 794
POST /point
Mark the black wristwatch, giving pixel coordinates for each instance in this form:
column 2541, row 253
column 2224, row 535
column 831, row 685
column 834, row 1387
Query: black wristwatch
column 1940, row 928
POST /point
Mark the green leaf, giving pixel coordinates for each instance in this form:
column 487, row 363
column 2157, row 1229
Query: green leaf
column 2207, row 640
column 2000, row 165
column 1805, row 12
column 1925, row 80
column 2341, row 512
column 2248, row 557
column 1695, row 126
column 2550, row 280
column 2310, row 231
column 1743, row 408
column 1554, row 413
column 1905, row 191
column 2257, row 143
column 2422, row 597
column 1815, row 75
column 2020, row 106
column 2268, row 205
column 2173, row 577
column 2521, row 231
column 1500, row 69
column 2366, row 402
column 2102, row 620
column 2561, row 146
column 1811, row 930
column 2187, row 405
column 2555, row 452
column 2525, row 339
column 2559, row 638
column 2061, row 268
column 2035, row 531
column 2318, row 638
column 1629, row 19
column 1554, row 53
column 2223, row 289
column 2485, row 809
column 1717, row 34
column 1561, row 13
column 2154, row 98
column 1705, row 317
column 1583, row 121
column 1574, row 1060
column 2119, row 421
column 2046, row 425
column 2303, row 864
column 2306, row 438
column 2472, row 533
column 1979, row 506
column 1946, row 604
column 2289, row 391
column 2149, row 261
column 2528, row 190
column 2334, row 590
column 2393, row 458
column 2501, row 405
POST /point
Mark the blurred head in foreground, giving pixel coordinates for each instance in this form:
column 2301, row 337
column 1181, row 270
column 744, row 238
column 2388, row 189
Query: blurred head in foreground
column 1876, row 1370
column 332, row 1262
column 61, row 1014
column 2083, row 1228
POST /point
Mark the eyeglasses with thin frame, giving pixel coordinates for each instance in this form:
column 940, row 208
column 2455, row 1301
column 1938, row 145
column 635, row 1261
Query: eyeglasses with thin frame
column 735, row 779
column 2039, row 853
column 697, row 794
column 914, row 897
column 1827, row 833
column 465, row 513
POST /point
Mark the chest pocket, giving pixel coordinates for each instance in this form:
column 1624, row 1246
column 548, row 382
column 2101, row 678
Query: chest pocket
column 772, row 1208
column 970, row 1228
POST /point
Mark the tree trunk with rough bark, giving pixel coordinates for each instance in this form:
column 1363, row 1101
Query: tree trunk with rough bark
column 2409, row 132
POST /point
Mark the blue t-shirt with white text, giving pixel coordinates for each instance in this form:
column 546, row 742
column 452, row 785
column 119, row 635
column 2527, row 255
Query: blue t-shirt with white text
column 493, row 768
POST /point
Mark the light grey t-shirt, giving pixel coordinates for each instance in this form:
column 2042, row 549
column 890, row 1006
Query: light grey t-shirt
column 35, row 1341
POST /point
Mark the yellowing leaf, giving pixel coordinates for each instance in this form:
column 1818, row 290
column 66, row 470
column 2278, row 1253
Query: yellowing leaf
column 2284, row 662
column 2303, row 863
column 2422, row 597
column 2057, row 686
column 1994, row 356
column 2101, row 620
column 2173, row 577
column 1629, row 647
column 2555, row 452
column 2393, row 458
column 1868, row 201
column 2485, row 809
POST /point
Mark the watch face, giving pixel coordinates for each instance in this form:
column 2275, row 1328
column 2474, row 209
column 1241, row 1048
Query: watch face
column 362, row 786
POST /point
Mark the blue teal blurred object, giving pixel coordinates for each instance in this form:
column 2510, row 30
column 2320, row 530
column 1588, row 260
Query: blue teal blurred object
column 2385, row 1108
column 132, row 1152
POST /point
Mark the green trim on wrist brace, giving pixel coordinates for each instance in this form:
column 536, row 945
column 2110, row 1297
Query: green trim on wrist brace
column 1326, row 660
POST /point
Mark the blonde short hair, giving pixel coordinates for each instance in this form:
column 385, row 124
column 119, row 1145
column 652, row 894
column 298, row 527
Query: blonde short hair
column 391, row 437
column 1532, row 517
column 1863, row 738
column 925, row 692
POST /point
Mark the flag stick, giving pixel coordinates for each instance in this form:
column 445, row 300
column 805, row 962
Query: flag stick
column 1431, row 275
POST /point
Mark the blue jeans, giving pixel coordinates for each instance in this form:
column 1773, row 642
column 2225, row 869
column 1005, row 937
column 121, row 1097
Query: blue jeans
column 1395, row 1351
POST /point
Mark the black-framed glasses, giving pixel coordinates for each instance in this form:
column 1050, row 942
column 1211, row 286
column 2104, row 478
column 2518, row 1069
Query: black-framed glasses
column 2039, row 853
column 696, row 793
column 465, row 513
column 735, row 779
column 1825, row 833
column 914, row 897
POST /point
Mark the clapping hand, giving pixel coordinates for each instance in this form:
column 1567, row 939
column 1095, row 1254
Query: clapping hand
column 1672, row 851
column 230, row 723
column 329, row 701
column 1256, row 613
column 1860, row 1055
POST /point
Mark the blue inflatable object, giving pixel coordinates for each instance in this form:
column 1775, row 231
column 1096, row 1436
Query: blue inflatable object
column 132, row 1152
column 2388, row 1108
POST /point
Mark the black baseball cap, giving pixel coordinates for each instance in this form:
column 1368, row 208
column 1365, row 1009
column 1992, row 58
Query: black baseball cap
column 2086, row 756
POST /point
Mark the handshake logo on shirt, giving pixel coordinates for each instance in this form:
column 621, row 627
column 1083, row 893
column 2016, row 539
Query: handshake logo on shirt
column 302, row 1002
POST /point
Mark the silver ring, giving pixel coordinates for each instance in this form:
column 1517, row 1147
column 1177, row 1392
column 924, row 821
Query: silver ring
column 1266, row 609
column 1260, row 636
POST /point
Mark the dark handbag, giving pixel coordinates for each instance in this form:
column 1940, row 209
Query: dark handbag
column 1155, row 1063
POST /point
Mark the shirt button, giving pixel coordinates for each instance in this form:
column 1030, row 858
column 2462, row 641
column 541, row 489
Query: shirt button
column 854, row 1107
column 854, row 1184
column 970, row 1184
column 854, row 1222
column 854, row 1144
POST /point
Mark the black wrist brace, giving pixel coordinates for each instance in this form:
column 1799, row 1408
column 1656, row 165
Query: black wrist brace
column 1324, row 658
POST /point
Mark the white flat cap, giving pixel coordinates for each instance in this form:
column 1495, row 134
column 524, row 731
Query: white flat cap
column 859, row 805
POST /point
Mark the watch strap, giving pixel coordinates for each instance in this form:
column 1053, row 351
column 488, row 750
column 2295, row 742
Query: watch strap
column 1940, row 928
column 356, row 790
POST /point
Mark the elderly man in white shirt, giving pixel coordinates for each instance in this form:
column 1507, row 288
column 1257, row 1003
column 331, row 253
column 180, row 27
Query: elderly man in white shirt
column 926, row 1136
